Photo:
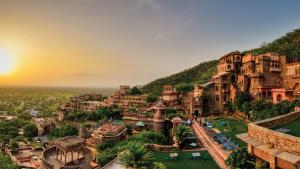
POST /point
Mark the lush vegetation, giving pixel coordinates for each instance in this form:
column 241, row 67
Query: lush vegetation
column 30, row 130
column 262, row 109
column 62, row 131
column 240, row 158
column 6, row 163
column 109, row 151
column 182, row 132
column 185, row 161
column 20, row 101
column 293, row 126
column 171, row 113
column 103, row 113
column 135, row 91
column 10, row 129
column 230, row 128
column 288, row 45
column 184, row 87
column 198, row 74
column 136, row 156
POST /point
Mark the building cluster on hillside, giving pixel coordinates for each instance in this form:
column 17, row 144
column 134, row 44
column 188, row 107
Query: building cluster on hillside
column 267, row 76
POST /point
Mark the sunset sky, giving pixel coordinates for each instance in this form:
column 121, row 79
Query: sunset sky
column 103, row 43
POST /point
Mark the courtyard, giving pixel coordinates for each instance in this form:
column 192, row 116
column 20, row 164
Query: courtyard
column 230, row 128
column 185, row 160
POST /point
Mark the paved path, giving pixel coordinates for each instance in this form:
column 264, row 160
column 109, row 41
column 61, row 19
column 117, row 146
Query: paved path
column 215, row 151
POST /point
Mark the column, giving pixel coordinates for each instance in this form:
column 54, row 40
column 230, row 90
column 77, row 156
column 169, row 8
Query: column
column 66, row 157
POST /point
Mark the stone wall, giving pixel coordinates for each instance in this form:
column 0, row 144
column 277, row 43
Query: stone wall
column 260, row 130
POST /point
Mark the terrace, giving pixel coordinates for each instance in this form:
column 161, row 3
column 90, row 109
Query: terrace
column 293, row 128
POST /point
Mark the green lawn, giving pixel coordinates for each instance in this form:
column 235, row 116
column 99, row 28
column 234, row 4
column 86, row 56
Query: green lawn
column 234, row 127
column 293, row 126
column 185, row 161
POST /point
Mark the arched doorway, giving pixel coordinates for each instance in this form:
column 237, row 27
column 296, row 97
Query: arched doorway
column 279, row 98
column 196, row 113
column 232, row 78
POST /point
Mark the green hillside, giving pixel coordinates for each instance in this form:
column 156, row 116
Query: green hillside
column 288, row 45
column 197, row 74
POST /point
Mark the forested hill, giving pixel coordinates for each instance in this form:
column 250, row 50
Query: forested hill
column 288, row 45
column 197, row 74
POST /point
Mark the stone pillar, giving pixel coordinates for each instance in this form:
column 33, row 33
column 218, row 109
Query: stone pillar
column 272, row 161
column 250, row 150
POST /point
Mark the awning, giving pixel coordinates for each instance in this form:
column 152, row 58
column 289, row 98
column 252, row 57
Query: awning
column 140, row 124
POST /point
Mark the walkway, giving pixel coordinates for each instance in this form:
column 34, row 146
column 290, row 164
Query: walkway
column 215, row 151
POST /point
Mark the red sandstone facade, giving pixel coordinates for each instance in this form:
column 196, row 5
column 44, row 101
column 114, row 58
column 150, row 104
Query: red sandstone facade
column 264, row 76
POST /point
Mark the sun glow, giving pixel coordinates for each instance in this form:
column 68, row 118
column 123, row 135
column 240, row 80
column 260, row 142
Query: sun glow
column 6, row 63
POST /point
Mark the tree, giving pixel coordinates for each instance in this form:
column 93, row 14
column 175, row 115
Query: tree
column 184, row 87
column 13, row 145
column 136, row 156
column 181, row 133
column 64, row 130
column 231, row 107
column 241, row 98
column 6, row 163
column 246, row 107
column 238, row 159
column 151, row 98
column 30, row 130
column 135, row 91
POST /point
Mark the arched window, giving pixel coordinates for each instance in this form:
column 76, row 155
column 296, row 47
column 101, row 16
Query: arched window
column 232, row 78
column 279, row 98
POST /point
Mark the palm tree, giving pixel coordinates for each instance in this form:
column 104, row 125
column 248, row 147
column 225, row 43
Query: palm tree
column 182, row 132
column 136, row 156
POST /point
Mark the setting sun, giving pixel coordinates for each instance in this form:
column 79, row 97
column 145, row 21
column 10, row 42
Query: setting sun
column 6, row 63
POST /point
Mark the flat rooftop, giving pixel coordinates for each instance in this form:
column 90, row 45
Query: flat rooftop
column 293, row 127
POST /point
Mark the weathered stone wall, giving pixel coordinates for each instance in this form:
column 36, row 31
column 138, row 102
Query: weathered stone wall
column 279, row 120
column 260, row 130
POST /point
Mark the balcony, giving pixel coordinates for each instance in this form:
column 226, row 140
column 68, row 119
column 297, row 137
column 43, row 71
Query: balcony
column 225, row 90
column 275, row 69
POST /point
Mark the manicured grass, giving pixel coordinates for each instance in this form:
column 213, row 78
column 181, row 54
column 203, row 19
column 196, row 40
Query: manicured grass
column 231, row 128
column 293, row 126
column 185, row 161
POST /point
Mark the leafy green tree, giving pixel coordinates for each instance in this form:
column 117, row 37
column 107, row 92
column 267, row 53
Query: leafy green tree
column 105, row 157
column 241, row 98
column 184, row 87
column 246, row 107
column 182, row 132
column 30, row 130
column 136, row 156
column 6, row 163
column 151, row 98
column 13, row 145
column 64, row 130
column 239, row 159
column 135, row 91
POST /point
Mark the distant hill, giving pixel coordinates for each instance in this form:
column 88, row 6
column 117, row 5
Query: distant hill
column 288, row 45
column 197, row 74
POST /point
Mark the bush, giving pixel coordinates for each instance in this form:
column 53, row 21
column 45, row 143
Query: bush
column 30, row 130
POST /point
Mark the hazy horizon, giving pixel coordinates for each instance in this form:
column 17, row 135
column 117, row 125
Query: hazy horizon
column 107, row 43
